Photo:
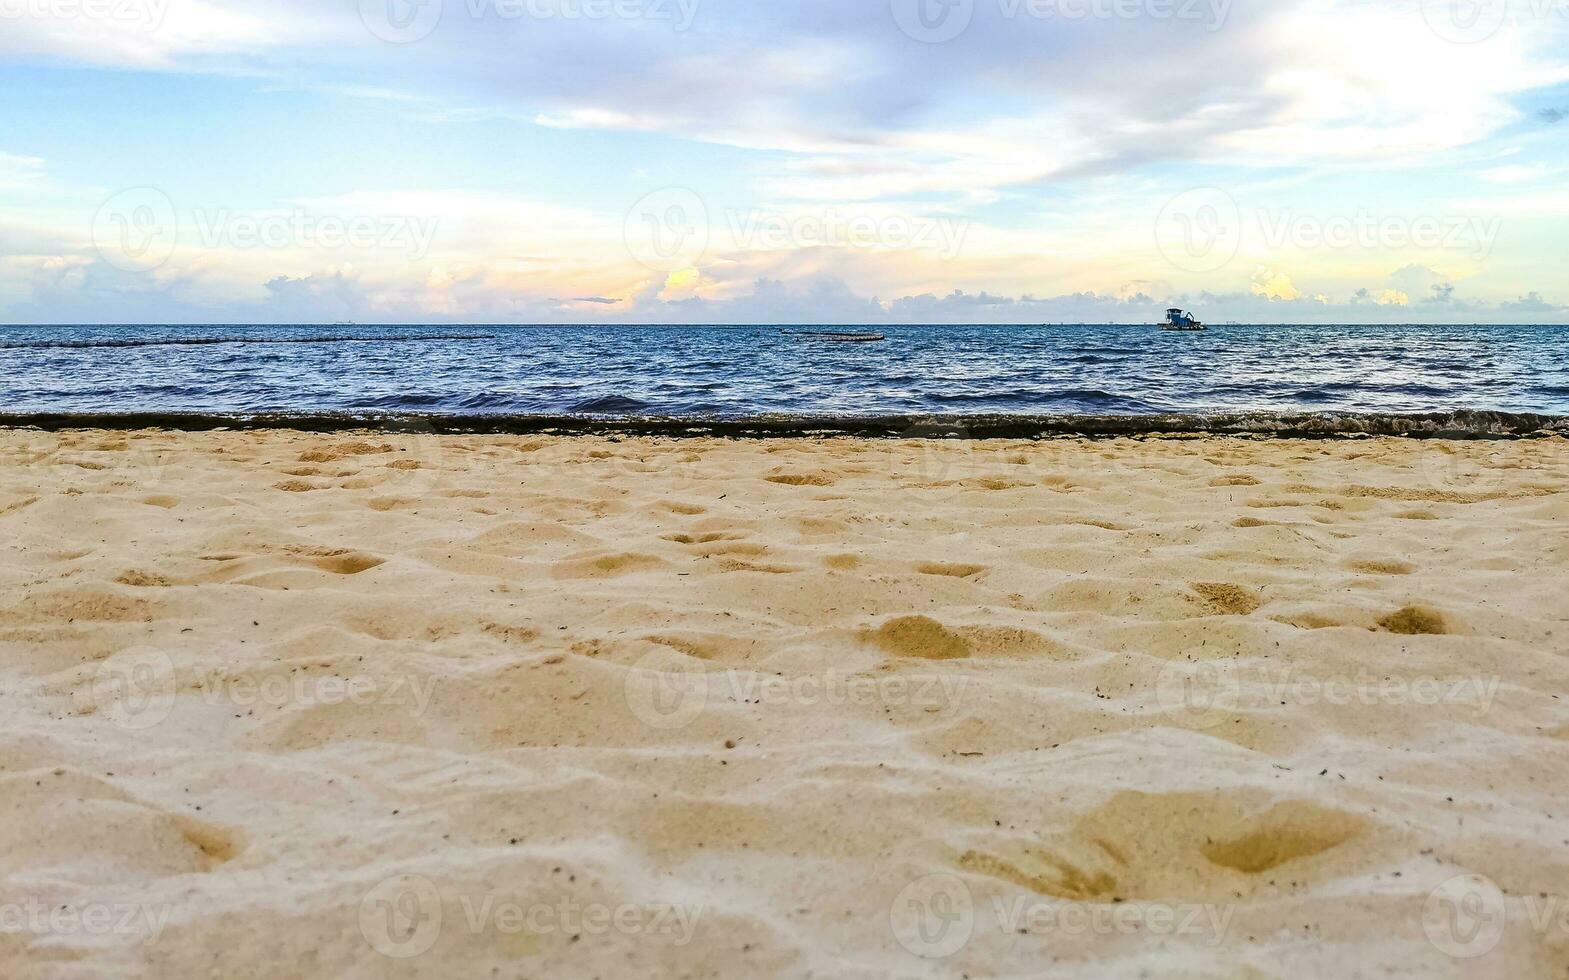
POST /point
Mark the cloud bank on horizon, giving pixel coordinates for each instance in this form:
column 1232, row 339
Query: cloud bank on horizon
column 819, row 161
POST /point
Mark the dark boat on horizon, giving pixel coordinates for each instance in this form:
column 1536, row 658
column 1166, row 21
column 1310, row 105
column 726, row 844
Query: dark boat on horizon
column 1180, row 322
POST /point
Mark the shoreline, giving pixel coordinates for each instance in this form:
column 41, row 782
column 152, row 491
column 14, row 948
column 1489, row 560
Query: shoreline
column 1466, row 424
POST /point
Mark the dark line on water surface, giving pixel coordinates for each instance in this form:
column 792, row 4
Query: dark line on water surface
column 209, row 341
column 1278, row 425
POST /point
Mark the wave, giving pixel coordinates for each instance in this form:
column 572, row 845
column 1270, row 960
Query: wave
column 610, row 405
column 1077, row 399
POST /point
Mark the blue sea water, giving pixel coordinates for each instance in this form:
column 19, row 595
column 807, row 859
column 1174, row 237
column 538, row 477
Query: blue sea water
column 735, row 372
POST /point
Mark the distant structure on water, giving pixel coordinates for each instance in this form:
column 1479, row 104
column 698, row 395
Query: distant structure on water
column 1178, row 321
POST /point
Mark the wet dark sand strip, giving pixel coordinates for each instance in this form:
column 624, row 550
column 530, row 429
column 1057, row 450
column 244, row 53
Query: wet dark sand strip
column 1295, row 425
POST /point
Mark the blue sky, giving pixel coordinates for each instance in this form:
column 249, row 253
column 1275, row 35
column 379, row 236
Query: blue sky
column 832, row 160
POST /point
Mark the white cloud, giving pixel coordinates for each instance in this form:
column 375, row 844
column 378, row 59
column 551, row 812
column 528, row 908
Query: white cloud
column 1274, row 285
column 19, row 172
column 148, row 34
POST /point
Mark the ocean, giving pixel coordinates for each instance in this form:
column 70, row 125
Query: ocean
column 700, row 372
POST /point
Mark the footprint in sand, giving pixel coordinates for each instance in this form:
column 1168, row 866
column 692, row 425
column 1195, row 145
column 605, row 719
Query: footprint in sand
column 739, row 565
column 349, row 563
column 1384, row 567
column 945, row 570
column 343, row 451
column 1141, row 846
column 1415, row 621
column 606, row 566
column 686, row 510
column 920, row 638
column 1251, row 522
column 703, row 538
column 218, row 845
column 1231, row 600
column 801, row 479
column 87, row 604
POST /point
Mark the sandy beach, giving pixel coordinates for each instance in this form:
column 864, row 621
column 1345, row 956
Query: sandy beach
column 282, row 704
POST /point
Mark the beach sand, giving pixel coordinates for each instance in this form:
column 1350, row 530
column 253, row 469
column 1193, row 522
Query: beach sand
column 281, row 704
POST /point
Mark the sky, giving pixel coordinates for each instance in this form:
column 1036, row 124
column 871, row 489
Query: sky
column 812, row 161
